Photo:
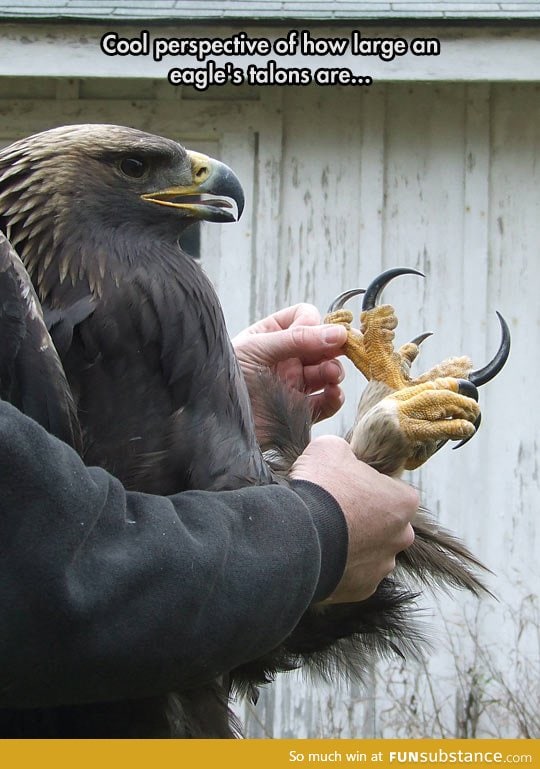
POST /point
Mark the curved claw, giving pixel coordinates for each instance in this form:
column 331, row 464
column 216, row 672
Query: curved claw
column 376, row 286
column 340, row 300
column 486, row 374
column 468, row 388
column 421, row 338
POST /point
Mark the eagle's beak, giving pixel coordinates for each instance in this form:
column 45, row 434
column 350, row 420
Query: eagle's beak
column 215, row 193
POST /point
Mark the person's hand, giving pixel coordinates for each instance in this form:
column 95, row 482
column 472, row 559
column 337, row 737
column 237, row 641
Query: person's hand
column 378, row 511
column 302, row 353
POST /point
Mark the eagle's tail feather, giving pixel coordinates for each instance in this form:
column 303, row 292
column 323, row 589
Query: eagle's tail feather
column 344, row 639
column 439, row 559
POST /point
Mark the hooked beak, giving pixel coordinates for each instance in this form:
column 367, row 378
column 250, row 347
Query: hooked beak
column 215, row 193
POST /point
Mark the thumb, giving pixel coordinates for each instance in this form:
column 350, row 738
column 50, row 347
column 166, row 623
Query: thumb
column 309, row 343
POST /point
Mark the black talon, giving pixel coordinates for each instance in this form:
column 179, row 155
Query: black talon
column 421, row 338
column 483, row 375
column 466, row 387
column 376, row 286
column 340, row 300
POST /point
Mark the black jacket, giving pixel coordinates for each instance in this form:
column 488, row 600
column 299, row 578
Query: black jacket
column 107, row 594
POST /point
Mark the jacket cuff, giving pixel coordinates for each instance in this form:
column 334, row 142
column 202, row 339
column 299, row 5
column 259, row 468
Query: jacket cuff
column 331, row 527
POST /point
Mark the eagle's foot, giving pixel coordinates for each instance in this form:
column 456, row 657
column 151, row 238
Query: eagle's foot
column 412, row 417
column 414, row 422
column 432, row 413
column 371, row 350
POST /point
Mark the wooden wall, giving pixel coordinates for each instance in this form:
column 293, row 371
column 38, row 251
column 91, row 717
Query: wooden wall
column 341, row 184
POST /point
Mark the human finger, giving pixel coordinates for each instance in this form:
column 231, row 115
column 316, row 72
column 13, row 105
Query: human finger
column 310, row 344
column 328, row 372
column 302, row 314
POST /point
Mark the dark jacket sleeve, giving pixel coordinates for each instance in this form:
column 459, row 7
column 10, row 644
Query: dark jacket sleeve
column 108, row 594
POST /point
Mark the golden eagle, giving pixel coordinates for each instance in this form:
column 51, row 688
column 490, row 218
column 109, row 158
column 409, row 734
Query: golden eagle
column 152, row 390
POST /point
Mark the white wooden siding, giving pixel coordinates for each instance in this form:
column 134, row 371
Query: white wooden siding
column 444, row 179
column 339, row 185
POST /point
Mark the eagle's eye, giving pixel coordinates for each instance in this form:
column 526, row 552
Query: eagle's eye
column 133, row 166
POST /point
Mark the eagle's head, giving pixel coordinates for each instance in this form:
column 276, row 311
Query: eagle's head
column 82, row 200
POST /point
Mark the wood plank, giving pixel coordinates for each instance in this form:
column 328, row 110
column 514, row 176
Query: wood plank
column 235, row 268
column 200, row 121
column 267, row 263
column 461, row 201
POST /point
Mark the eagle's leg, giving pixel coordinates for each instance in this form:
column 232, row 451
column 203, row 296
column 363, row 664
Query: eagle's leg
column 459, row 368
column 427, row 410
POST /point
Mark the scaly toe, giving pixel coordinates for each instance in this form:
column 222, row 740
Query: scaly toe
column 386, row 365
column 343, row 317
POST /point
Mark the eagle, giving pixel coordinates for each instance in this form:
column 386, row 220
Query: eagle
column 114, row 340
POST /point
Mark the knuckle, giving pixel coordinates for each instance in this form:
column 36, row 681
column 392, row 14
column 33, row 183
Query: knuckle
column 331, row 371
column 308, row 313
column 298, row 335
column 331, row 442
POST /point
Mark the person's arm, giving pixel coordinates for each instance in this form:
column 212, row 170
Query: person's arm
column 108, row 594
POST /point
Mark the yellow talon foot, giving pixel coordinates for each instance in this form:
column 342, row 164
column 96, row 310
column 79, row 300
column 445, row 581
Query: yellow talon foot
column 386, row 365
column 343, row 317
column 431, row 414
column 405, row 428
column 408, row 353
